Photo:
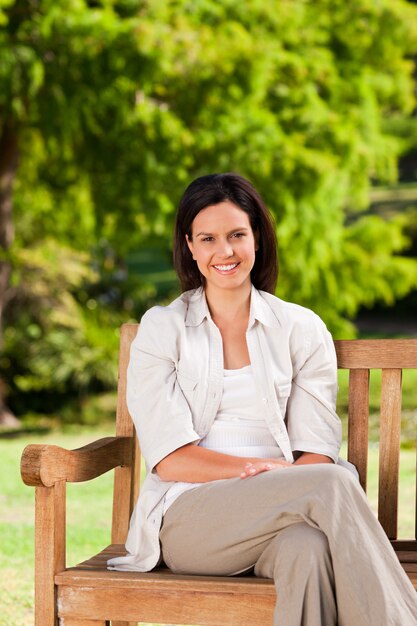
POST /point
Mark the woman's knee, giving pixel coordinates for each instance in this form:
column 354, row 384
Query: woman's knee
column 299, row 538
column 304, row 539
column 336, row 476
column 297, row 545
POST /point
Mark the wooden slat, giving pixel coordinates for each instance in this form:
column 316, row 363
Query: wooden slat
column 389, row 450
column 85, row 622
column 126, row 482
column 376, row 353
column 161, row 596
column 49, row 549
column 164, row 580
column 358, row 422
column 404, row 546
column 124, row 423
column 44, row 465
column 407, row 556
column 406, row 550
column 415, row 509
column 206, row 607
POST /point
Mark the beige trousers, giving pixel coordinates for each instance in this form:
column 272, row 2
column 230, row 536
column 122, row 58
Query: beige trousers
column 311, row 529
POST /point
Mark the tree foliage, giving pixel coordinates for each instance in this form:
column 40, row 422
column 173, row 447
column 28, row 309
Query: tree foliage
column 118, row 104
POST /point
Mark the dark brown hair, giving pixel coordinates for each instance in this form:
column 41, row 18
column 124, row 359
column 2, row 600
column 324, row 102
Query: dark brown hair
column 212, row 189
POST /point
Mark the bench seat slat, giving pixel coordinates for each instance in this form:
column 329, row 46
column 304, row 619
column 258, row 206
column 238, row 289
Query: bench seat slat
column 206, row 607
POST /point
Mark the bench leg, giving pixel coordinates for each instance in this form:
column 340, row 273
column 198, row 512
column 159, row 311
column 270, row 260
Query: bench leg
column 49, row 550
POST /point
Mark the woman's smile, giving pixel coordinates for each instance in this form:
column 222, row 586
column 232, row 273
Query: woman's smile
column 226, row 269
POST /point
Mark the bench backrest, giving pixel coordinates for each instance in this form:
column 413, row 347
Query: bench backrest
column 391, row 356
column 359, row 357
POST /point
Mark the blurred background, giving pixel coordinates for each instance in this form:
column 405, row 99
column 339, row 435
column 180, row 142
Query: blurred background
column 109, row 108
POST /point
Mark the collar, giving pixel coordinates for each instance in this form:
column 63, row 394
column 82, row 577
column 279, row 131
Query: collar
column 260, row 308
column 197, row 309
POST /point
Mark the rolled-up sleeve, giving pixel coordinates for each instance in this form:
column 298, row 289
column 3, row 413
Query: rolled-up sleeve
column 155, row 401
column 312, row 422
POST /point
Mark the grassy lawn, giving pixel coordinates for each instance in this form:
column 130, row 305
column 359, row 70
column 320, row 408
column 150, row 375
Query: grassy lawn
column 89, row 517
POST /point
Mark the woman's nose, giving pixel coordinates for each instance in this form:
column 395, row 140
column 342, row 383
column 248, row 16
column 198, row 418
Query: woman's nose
column 225, row 249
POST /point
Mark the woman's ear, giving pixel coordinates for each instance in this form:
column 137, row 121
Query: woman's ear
column 190, row 245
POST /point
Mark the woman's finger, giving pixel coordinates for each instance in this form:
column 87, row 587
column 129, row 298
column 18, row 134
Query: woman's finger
column 251, row 469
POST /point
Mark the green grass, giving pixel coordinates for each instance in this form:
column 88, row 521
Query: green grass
column 89, row 517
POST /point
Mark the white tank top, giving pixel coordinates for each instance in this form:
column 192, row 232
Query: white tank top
column 239, row 429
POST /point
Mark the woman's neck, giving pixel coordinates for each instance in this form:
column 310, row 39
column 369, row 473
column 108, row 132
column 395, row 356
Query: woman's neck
column 229, row 306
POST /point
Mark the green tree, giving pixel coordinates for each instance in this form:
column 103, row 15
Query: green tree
column 117, row 104
column 59, row 72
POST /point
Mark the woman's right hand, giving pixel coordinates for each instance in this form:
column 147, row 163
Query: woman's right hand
column 263, row 465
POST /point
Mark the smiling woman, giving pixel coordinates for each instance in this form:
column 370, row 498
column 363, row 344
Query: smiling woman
column 233, row 392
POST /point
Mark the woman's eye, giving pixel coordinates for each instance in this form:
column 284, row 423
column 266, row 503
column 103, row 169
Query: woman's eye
column 238, row 235
column 208, row 239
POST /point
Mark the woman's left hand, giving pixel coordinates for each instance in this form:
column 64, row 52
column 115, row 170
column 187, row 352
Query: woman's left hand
column 251, row 469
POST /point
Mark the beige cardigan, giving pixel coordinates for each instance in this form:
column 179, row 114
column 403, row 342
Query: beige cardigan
column 174, row 387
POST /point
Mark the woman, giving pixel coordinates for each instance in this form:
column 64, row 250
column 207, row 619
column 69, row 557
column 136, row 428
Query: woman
column 232, row 391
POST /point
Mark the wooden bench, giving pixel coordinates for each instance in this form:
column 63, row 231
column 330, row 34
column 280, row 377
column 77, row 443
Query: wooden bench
column 91, row 595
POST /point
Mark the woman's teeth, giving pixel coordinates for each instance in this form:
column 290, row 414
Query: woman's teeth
column 225, row 268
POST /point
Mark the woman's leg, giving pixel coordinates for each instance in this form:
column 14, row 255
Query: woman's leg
column 225, row 526
column 299, row 561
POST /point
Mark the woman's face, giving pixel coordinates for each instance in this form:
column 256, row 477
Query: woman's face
column 223, row 245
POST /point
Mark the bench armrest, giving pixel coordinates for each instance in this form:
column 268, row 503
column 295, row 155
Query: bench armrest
column 44, row 465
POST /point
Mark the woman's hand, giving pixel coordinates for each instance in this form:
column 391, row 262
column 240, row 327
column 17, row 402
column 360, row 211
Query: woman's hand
column 263, row 465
